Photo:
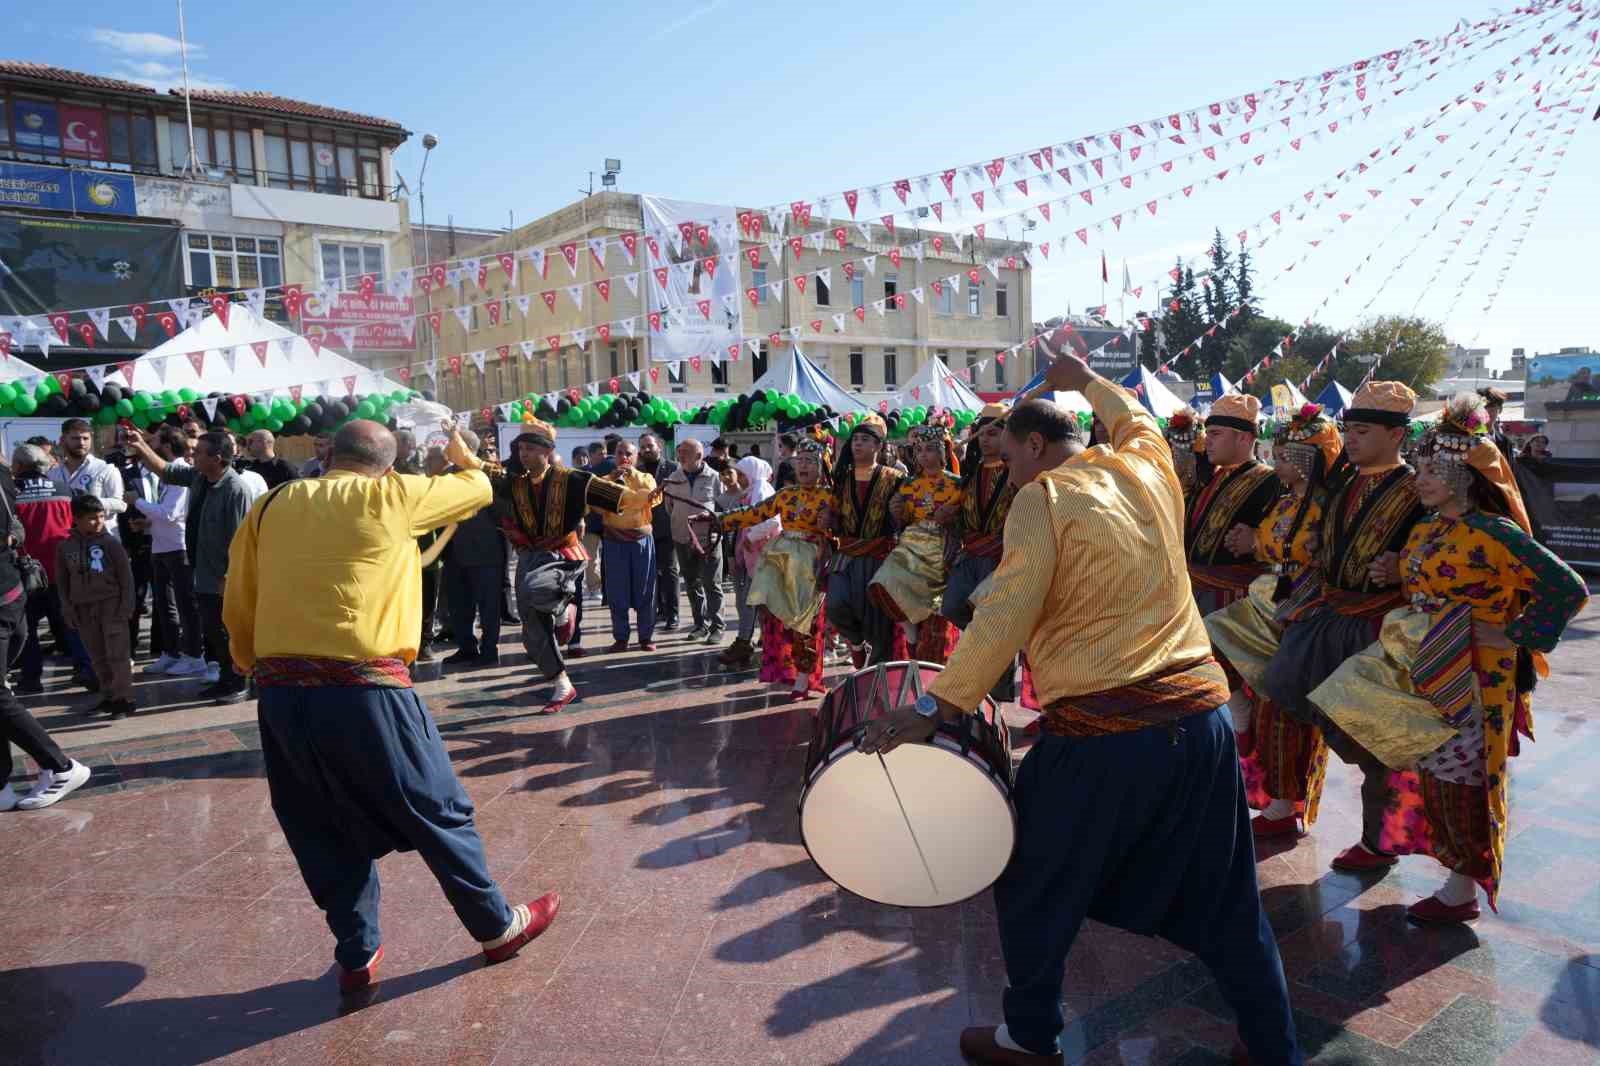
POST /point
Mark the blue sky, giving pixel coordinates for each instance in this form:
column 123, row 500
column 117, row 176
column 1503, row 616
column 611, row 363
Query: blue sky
column 756, row 104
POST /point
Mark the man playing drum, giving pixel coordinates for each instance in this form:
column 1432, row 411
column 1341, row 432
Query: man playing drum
column 1130, row 807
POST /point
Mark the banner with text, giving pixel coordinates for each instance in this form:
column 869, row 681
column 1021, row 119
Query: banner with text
column 1563, row 499
column 707, row 318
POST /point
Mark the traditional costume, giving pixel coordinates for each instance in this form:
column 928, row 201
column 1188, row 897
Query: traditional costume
column 986, row 495
column 911, row 581
column 744, row 548
column 541, row 516
column 1335, row 610
column 1129, row 807
column 865, row 536
column 628, row 558
column 1187, row 439
column 327, row 626
column 1436, row 704
column 785, row 583
column 1282, row 759
column 1240, row 494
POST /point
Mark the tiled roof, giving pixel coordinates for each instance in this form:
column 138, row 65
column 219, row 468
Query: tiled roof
column 43, row 72
column 283, row 105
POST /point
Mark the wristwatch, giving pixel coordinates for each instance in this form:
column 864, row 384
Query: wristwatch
column 927, row 706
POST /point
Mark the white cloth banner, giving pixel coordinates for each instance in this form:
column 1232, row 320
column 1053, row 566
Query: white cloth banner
column 689, row 283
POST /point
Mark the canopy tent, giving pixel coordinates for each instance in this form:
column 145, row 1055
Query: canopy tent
column 290, row 360
column 1072, row 401
column 1221, row 386
column 811, row 383
column 935, row 386
column 1334, row 398
column 1156, row 397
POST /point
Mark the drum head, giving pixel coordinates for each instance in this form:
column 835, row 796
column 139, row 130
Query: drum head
column 853, row 827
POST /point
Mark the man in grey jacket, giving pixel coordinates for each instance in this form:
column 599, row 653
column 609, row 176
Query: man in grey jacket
column 218, row 502
column 689, row 490
column 82, row 474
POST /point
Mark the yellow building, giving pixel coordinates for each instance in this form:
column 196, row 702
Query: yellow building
column 840, row 326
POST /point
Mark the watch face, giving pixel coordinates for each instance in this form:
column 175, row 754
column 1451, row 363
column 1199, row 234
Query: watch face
column 926, row 706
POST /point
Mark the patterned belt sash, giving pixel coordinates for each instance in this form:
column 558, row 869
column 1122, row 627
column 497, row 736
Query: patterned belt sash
column 1157, row 700
column 983, row 545
column 1224, row 577
column 283, row 671
column 878, row 547
column 1362, row 604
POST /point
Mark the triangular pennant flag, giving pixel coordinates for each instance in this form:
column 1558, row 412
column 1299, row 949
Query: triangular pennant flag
column 97, row 376
column 580, row 337
column 230, row 358
column 130, row 326
column 575, row 294
column 101, row 317
column 260, row 348
column 209, row 404
column 597, row 248
column 632, row 281
column 464, row 316
column 347, row 337
column 477, row 360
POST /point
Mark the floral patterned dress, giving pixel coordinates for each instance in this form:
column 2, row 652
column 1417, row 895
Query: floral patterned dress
column 924, row 495
column 785, row 654
column 1453, row 806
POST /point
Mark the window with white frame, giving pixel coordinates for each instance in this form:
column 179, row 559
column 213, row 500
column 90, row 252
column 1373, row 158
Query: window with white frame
column 758, row 280
column 858, row 370
column 345, row 262
column 891, row 368
column 858, row 291
column 944, row 302
column 228, row 262
column 974, row 297
column 820, row 290
column 891, row 286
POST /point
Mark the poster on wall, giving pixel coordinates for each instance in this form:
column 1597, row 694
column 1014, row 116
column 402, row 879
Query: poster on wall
column 52, row 263
column 382, row 322
column 1563, row 500
column 706, row 307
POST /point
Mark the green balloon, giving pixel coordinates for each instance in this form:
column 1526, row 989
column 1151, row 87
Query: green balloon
column 42, row 390
column 169, row 399
column 8, row 393
column 275, row 424
column 141, row 401
column 235, row 425
column 124, row 408
column 188, row 395
column 364, row 410
column 260, row 412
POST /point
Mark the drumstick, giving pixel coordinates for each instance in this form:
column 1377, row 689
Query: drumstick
column 907, row 818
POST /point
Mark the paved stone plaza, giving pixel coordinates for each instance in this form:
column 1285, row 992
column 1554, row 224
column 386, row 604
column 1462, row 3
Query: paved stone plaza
column 157, row 918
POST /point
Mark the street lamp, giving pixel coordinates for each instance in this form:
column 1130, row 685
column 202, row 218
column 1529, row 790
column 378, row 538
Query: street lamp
column 429, row 143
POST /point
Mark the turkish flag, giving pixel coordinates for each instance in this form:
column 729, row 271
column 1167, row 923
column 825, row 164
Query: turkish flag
column 219, row 307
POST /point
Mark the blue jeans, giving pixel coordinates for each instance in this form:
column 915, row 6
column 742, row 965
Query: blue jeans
column 1147, row 831
column 473, row 590
column 354, row 774
column 44, row 604
column 628, row 569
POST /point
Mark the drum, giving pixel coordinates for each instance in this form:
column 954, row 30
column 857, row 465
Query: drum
column 926, row 825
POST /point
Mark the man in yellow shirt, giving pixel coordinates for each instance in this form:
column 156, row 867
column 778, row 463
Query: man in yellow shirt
column 628, row 551
column 1130, row 807
column 328, row 624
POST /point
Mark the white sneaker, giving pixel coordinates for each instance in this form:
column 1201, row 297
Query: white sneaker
column 162, row 665
column 213, row 673
column 53, row 787
column 188, row 666
column 8, row 799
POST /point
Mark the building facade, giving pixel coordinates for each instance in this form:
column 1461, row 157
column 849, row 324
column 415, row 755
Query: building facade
column 840, row 327
column 107, row 201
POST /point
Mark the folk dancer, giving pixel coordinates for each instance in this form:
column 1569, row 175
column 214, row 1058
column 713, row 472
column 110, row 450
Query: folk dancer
column 1369, row 514
column 864, row 531
column 752, row 485
column 327, row 625
column 1283, row 761
column 628, row 551
column 1442, row 699
column 541, row 507
column 909, row 584
column 786, row 583
column 1129, row 806
column 1239, row 491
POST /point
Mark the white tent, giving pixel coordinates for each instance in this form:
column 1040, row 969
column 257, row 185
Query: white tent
column 797, row 374
column 935, row 386
column 290, row 360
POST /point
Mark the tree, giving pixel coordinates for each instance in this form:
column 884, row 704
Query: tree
column 1182, row 321
column 1415, row 351
column 1244, row 286
column 1252, row 339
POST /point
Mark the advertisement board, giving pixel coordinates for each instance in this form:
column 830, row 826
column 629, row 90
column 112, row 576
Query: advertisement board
column 1563, row 500
column 51, row 263
column 383, row 323
column 701, row 308
column 88, row 192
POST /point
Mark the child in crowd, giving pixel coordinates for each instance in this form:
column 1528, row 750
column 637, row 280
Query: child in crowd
column 96, row 584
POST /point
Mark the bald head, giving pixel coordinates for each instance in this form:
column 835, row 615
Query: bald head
column 364, row 447
column 260, row 444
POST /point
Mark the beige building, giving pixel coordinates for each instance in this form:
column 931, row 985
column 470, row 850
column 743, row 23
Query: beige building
column 869, row 352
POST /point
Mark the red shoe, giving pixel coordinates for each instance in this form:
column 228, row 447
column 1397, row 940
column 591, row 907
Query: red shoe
column 1432, row 911
column 573, row 652
column 560, row 703
column 1263, row 827
column 356, row 980
column 616, row 646
column 541, row 912
column 1357, row 859
column 646, row 646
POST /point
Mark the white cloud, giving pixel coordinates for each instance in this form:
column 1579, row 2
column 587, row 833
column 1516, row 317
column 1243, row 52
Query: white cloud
column 142, row 44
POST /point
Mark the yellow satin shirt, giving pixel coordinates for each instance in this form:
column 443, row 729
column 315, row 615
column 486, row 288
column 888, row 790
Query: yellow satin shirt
column 1102, row 536
column 636, row 501
column 329, row 567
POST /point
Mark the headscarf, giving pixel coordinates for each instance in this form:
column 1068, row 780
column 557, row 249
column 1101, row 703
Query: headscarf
column 1459, row 444
column 759, row 472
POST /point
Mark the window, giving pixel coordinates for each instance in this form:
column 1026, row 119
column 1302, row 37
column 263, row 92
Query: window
column 759, row 366
column 675, row 374
column 943, row 355
column 345, row 263
column 320, row 160
column 615, row 355
column 1000, row 301
column 858, row 291
column 277, row 161
column 758, row 279
column 974, row 298
column 945, row 302
column 224, row 262
column 858, row 370
column 891, row 285
column 891, row 376
column 972, row 366
column 566, row 376
column 719, row 373
column 633, row 357
column 999, row 370
column 823, row 295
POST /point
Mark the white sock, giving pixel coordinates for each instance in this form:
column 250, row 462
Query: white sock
column 563, row 686
column 1456, row 890
column 520, row 917
column 1279, row 809
column 1240, row 706
column 802, row 682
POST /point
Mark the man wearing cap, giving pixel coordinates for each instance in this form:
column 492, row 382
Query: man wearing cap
column 541, row 506
column 1364, row 525
column 862, row 489
column 1239, row 491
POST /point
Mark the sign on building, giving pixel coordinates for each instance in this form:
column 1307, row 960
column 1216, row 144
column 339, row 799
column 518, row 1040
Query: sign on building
column 89, row 192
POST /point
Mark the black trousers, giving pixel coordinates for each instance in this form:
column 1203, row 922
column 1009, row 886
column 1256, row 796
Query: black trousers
column 143, row 576
column 217, row 637
column 469, row 590
column 17, row 726
column 666, row 581
column 174, row 609
column 430, row 602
